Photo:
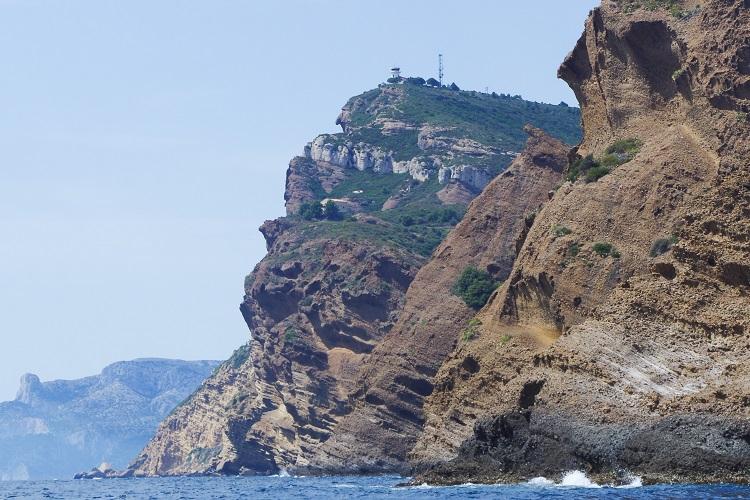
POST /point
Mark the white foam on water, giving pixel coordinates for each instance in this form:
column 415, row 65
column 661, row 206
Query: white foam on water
column 635, row 482
column 577, row 479
column 541, row 481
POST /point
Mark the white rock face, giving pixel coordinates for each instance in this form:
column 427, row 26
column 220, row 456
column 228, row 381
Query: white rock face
column 365, row 157
column 471, row 176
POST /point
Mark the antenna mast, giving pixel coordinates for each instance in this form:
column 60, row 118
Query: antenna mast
column 440, row 69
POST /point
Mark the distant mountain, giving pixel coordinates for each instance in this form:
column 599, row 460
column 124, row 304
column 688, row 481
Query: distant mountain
column 55, row 429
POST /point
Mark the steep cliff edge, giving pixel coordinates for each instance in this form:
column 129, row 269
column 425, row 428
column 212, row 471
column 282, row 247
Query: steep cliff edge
column 620, row 340
column 387, row 416
column 365, row 209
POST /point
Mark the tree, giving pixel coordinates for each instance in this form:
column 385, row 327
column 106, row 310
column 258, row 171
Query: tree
column 331, row 211
column 393, row 80
column 454, row 86
column 432, row 82
column 311, row 210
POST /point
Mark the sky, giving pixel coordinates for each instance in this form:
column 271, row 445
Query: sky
column 142, row 144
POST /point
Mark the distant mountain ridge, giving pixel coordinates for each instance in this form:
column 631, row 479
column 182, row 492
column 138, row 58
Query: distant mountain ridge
column 55, row 429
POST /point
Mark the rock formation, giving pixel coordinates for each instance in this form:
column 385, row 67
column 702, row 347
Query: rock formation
column 55, row 429
column 620, row 340
column 333, row 284
column 387, row 418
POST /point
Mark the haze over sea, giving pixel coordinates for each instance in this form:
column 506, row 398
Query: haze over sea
column 575, row 485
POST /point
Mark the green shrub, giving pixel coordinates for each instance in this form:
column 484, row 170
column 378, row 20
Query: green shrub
column 615, row 155
column 471, row 330
column 580, row 166
column 605, row 250
column 505, row 339
column 662, row 246
column 574, row 249
column 331, row 211
column 474, row 287
column 559, row 231
column 311, row 210
column 743, row 117
column 239, row 356
column 290, row 335
column 596, row 173
column 629, row 147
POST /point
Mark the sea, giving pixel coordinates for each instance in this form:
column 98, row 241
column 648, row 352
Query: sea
column 574, row 485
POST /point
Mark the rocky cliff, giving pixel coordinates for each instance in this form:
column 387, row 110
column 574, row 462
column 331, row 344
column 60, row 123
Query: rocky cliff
column 55, row 429
column 619, row 341
column 365, row 209
column 386, row 419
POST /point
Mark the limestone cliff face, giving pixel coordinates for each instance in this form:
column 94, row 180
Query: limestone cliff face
column 333, row 283
column 387, row 415
column 620, row 342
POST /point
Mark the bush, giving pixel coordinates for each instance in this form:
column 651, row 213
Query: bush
column 662, row 246
column 629, row 147
column 331, row 211
column 596, row 173
column 416, row 80
column 559, row 231
column 471, row 330
column 615, row 155
column 474, row 287
column 579, row 166
column 290, row 335
column 574, row 249
column 311, row 210
column 605, row 250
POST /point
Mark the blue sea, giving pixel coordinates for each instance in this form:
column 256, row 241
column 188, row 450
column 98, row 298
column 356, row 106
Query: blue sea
column 279, row 488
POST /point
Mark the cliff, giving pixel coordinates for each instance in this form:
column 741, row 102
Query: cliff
column 55, row 429
column 386, row 419
column 619, row 341
column 365, row 209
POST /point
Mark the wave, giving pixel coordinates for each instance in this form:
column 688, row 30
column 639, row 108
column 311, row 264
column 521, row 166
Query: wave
column 578, row 479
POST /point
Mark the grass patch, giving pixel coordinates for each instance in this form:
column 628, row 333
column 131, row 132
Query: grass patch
column 421, row 242
column 376, row 188
column 497, row 120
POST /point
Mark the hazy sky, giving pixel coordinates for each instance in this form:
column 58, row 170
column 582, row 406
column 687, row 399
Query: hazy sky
column 143, row 142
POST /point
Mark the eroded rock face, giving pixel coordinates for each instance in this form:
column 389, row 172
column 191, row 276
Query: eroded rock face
column 641, row 353
column 387, row 414
column 316, row 308
column 333, row 283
